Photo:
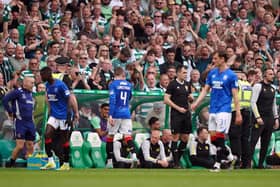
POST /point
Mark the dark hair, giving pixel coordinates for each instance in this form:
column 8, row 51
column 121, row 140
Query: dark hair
column 221, row 54
column 170, row 50
column 152, row 120
column 126, row 52
column 104, row 105
column 180, row 67
column 46, row 70
column 200, row 129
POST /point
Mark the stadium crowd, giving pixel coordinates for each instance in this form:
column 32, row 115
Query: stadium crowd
column 84, row 41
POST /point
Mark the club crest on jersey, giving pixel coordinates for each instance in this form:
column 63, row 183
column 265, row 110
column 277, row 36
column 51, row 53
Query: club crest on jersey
column 225, row 77
column 55, row 90
column 23, row 96
column 187, row 89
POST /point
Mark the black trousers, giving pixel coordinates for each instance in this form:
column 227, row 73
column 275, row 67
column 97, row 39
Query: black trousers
column 264, row 132
column 121, row 165
column 148, row 164
column 239, row 137
column 203, row 162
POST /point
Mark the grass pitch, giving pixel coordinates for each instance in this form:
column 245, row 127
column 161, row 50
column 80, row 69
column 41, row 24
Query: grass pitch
column 138, row 177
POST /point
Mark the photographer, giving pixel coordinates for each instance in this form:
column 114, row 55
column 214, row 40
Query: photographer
column 79, row 79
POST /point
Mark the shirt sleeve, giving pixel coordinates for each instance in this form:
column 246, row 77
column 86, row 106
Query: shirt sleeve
column 65, row 90
column 193, row 146
column 11, row 96
column 117, row 153
column 146, row 152
column 162, row 152
column 255, row 95
column 95, row 122
column 169, row 89
column 234, row 82
column 112, row 99
column 208, row 79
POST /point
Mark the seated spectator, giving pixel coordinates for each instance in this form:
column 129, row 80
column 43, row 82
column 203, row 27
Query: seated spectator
column 99, row 123
column 8, row 130
column 154, row 123
column 152, row 154
column 166, row 139
column 201, row 151
column 157, row 111
column 85, row 117
column 121, row 154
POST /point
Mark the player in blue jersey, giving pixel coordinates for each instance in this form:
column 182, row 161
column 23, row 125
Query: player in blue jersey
column 59, row 99
column 21, row 110
column 224, row 87
column 120, row 92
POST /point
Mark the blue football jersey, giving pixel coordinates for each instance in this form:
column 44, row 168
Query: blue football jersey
column 58, row 94
column 221, row 84
column 120, row 94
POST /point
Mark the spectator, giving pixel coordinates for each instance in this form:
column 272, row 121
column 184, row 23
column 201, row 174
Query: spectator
column 202, row 153
column 100, row 122
column 152, row 154
column 6, row 67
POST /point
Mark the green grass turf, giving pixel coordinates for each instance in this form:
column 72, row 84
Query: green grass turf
column 138, row 177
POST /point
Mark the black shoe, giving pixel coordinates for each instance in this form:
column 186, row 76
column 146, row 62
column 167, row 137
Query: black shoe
column 10, row 164
column 260, row 167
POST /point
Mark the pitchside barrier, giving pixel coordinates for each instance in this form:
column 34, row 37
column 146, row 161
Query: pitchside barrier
column 87, row 150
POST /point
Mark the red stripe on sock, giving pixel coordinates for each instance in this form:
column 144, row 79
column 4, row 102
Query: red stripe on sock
column 66, row 144
column 48, row 141
column 127, row 138
column 213, row 138
column 110, row 139
column 220, row 135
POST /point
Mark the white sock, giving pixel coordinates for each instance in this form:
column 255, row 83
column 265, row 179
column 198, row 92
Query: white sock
column 50, row 159
column 134, row 157
column 66, row 163
column 110, row 161
column 217, row 165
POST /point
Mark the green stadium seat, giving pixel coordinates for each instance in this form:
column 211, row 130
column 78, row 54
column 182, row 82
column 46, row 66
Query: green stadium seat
column 139, row 138
column 76, row 150
column 96, row 154
column 6, row 148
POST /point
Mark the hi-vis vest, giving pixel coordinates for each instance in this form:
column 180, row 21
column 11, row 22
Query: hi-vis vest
column 244, row 95
column 58, row 75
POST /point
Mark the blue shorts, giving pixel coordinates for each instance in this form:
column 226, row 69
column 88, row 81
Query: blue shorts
column 25, row 130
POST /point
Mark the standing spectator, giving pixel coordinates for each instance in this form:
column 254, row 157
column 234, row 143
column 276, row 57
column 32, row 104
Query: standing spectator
column 223, row 84
column 163, row 82
column 204, row 59
column 170, row 60
column 6, row 67
column 122, row 59
column 171, row 72
column 265, row 112
column 177, row 96
column 22, row 112
column 78, row 79
column 3, row 88
column 19, row 62
column 119, row 117
column 152, row 154
column 60, row 98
